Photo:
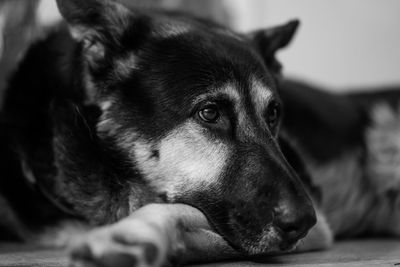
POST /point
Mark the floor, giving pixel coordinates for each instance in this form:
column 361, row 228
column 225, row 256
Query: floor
column 349, row 253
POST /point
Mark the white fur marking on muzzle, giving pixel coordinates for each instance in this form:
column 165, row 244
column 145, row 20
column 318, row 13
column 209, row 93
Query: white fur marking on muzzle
column 188, row 159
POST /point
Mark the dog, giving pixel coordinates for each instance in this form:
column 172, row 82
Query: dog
column 163, row 136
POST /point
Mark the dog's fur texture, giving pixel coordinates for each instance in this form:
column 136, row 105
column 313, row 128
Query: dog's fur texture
column 106, row 118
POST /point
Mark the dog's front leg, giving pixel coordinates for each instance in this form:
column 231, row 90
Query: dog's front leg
column 154, row 235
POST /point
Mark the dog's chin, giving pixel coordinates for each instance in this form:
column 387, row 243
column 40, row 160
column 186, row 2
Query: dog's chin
column 270, row 242
column 260, row 250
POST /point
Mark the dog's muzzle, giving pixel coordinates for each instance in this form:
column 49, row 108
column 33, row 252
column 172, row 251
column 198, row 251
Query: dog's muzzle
column 259, row 228
column 259, row 207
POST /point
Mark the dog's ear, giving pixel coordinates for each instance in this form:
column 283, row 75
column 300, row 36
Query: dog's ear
column 269, row 41
column 95, row 23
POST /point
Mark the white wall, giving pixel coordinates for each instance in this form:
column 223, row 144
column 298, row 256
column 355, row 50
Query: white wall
column 340, row 43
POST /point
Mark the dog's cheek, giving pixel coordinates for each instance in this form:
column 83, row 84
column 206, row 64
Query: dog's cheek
column 187, row 160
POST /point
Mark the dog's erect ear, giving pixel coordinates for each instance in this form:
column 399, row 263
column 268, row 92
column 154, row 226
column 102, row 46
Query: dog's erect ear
column 269, row 41
column 97, row 23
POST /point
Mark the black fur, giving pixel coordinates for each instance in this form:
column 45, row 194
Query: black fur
column 313, row 116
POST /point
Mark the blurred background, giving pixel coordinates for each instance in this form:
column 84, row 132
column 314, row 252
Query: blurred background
column 341, row 44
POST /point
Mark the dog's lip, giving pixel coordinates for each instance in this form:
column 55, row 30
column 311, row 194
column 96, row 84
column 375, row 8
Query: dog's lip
column 288, row 246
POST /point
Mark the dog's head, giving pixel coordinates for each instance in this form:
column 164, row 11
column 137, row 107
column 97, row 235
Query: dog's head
column 194, row 107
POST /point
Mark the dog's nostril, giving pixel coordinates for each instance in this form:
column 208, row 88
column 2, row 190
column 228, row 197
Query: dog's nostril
column 294, row 226
column 287, row 224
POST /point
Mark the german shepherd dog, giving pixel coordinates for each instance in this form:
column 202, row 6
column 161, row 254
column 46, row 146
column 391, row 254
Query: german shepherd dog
column 162, row 132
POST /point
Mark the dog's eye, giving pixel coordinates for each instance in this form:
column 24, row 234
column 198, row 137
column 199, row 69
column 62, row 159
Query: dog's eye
column 273, row 114
column 209, row 114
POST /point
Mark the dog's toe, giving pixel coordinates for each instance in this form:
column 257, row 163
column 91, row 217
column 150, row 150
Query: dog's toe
column 82, row 256
column 82, row 251
column 150, row 253
column 139, row 254
column 120, row 259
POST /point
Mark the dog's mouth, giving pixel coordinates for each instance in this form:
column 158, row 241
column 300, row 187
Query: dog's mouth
column 269, row 241
column 254, row 226
column 252, row 240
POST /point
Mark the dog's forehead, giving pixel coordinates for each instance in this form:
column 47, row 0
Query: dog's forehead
column 183, row 40
column 165, row 27
column 186, row 56
column 169, row 24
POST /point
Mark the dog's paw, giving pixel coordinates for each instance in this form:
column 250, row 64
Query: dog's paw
column 129, row 243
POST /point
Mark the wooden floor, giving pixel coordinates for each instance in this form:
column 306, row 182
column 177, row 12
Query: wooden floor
column 349, row 253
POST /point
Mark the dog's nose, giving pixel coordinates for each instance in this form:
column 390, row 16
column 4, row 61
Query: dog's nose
column 294, row 224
